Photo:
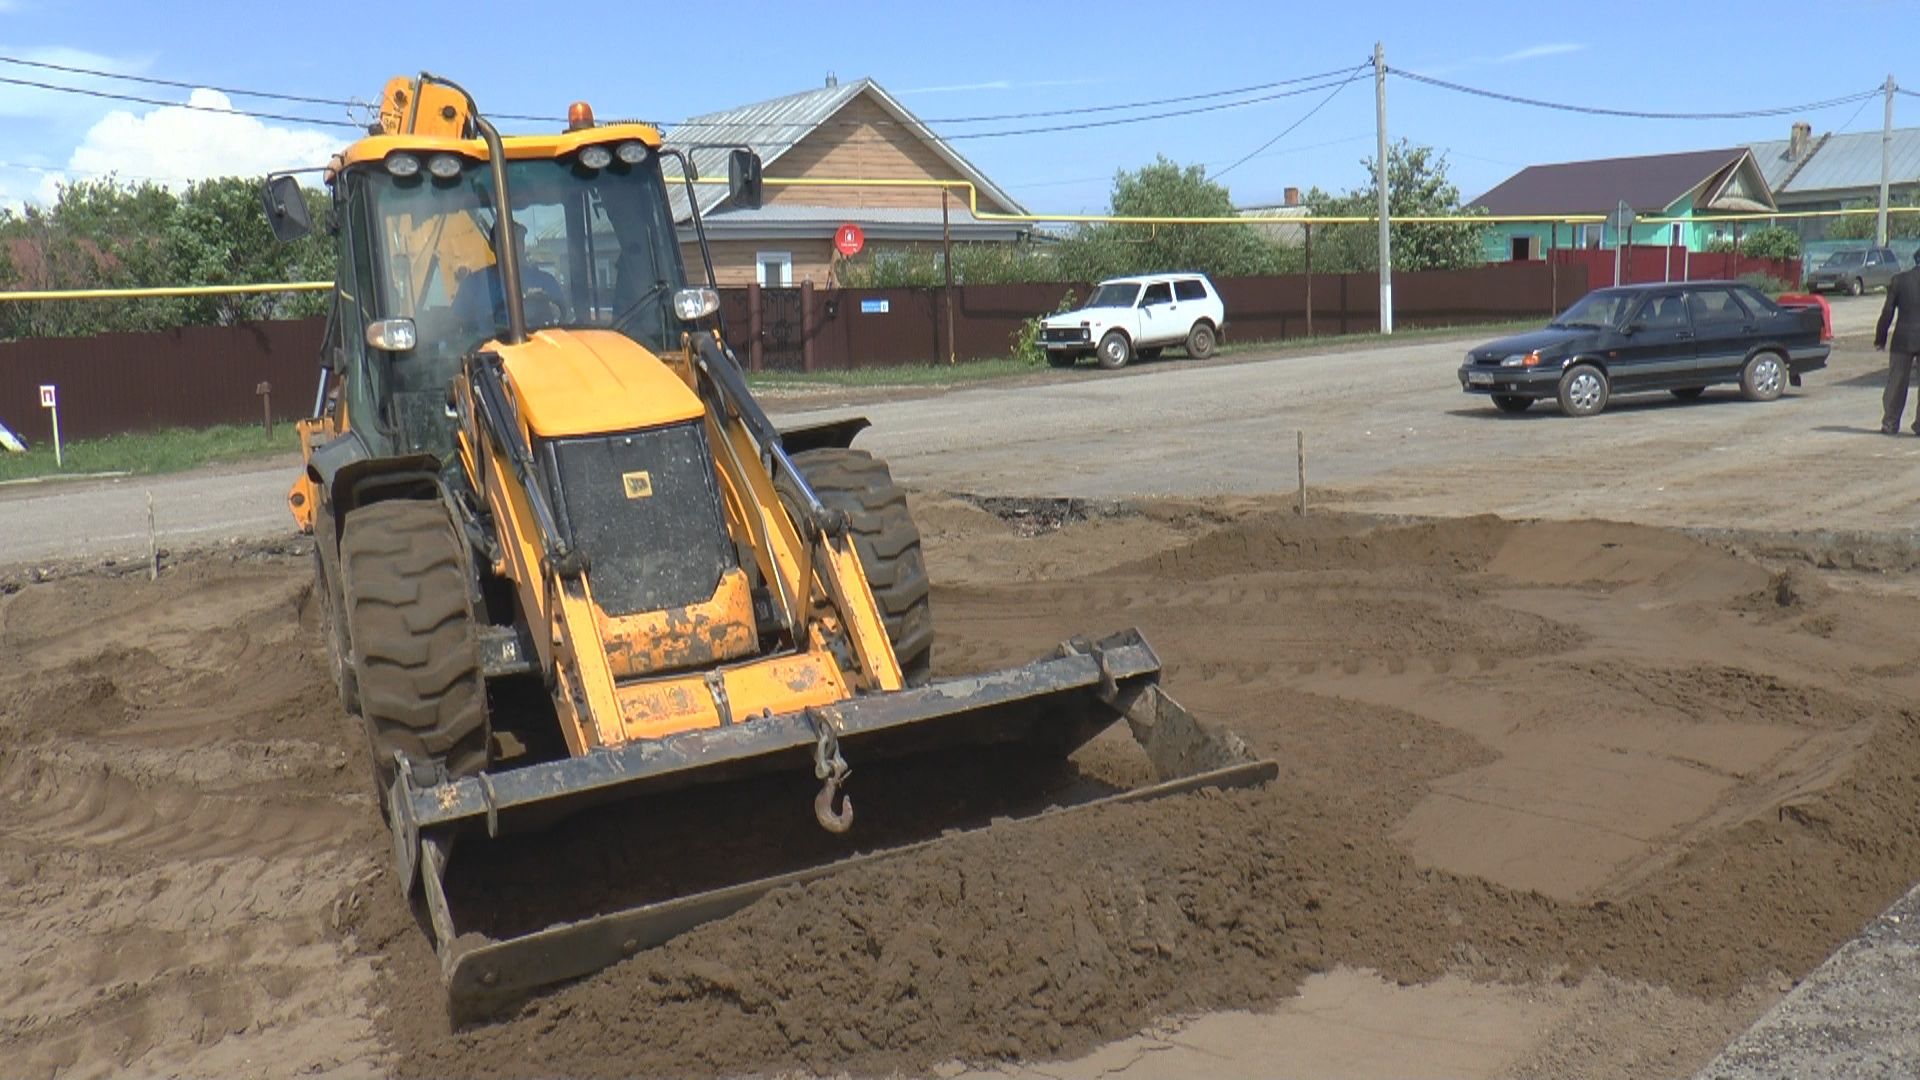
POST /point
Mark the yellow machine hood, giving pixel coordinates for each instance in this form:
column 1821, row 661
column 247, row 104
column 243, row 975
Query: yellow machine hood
column 592, row 382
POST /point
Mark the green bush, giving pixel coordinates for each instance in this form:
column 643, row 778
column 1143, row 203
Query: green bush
column 1772, row 242
column 1769, row 284
column 1026, row 340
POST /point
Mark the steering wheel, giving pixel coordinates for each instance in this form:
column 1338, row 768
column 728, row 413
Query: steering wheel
column 542, row 309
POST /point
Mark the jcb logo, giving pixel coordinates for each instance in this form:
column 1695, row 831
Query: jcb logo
column 639, row 484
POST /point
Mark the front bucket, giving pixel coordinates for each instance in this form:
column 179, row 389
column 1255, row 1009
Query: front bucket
column 1052, row 707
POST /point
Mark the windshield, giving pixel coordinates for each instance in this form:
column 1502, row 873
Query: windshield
column 1114, row 294
column 1596, row 309
column 597, row 250
column 1847, row 258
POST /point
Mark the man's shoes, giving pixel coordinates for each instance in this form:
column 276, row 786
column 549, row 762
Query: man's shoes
column 1889, row 429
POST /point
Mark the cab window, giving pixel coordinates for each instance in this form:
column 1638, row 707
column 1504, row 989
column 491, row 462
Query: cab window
column 1189, row 289
column 1158, row 293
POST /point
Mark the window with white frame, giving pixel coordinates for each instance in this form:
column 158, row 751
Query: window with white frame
column 773, row 268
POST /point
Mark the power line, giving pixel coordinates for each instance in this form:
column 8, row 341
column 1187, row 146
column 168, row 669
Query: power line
column 110, row 95
column 1088, row 125
column 1288, row 130
column 1592, row 110
column 303, row 99
column 1207, row 164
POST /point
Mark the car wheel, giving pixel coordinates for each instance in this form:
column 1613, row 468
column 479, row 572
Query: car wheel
column 1150, row 353
column 1764, row 377
column 1200, row 341
column 1512, row 403
column 1061, row 358
column 1857, row 287
column 1688, row 393
column 1115, row 350
column 1583, row 390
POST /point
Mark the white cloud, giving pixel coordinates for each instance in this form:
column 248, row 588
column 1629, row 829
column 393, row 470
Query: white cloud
column 174, row 145
column 1530, row 52
column 1535, row 52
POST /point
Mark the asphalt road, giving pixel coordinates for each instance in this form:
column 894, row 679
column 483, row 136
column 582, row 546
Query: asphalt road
column 1387, row 429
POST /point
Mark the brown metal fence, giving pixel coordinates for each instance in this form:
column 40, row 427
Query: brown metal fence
column 197, row 376
column 844, row 329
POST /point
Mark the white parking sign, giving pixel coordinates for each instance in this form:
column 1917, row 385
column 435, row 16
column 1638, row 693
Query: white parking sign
column 47, row 397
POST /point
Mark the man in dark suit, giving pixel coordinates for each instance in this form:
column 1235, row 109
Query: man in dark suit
column 1903, row 296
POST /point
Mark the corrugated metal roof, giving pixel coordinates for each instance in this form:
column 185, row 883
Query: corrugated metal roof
column 879, row 223
column 1648, row 184
column 1841, row 162
column 773, row 127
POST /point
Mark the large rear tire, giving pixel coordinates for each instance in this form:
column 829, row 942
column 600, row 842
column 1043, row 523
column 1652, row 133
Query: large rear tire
column 417, row 658
column 888, row 543
column 333, row 623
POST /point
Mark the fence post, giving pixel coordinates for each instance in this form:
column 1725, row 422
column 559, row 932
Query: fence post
column 756, row 354
column 1553, row 272
column 1283, row 325
column 806, row 325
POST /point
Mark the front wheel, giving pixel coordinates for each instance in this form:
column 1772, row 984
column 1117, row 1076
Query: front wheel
column 1115, row 350
column 1857, row 287
column 1583, row 390
column 1764, row 377
column 415, row 650
column 1512, row 403
column 1200, row 341
column 887, row 541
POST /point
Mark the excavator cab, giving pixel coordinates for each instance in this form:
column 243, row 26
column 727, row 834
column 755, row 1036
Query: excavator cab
column 568, row 561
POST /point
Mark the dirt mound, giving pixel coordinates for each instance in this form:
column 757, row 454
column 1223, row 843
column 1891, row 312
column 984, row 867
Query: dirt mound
column 1464, row 711
column 1511, row 751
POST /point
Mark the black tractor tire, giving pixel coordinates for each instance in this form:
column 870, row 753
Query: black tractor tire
column 1688, row 393
column 888, row 542
column 1114, row 351
column 1061, row 358
column 1512, row 403
column 1151, row 352
column 1764, row 378
column 410, row 611
column 1201, row 340
column 333, row 623
column 1584, row 390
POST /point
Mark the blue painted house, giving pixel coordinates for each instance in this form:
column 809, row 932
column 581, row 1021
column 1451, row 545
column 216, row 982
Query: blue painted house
column 1691, row 187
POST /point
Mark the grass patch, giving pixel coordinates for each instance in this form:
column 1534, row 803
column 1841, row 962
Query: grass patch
column 151, row 451
column 1005, row 367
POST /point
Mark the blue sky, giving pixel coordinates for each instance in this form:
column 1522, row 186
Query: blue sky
column 999, row 58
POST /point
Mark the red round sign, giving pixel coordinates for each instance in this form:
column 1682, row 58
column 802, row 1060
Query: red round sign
column 848, row 240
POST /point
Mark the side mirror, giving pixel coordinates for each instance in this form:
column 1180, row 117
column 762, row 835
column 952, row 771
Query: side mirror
column 286, row 208
column 1633, row 327
column 743, row 179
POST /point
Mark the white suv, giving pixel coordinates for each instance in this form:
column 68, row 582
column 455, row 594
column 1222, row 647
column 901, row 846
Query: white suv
column 1139, row 316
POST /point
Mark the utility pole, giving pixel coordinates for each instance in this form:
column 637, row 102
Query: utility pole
column 1886, row 169
column 1380, row 181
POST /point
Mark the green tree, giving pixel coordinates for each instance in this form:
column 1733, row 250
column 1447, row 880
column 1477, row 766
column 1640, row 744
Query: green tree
column 105, row 234
column 1164, row 188
column 218, row 235
column 1863, row 226
column 1417, row 186
column 1772, row 242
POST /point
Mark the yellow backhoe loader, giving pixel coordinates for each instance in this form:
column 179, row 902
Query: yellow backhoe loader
column 568, row 562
